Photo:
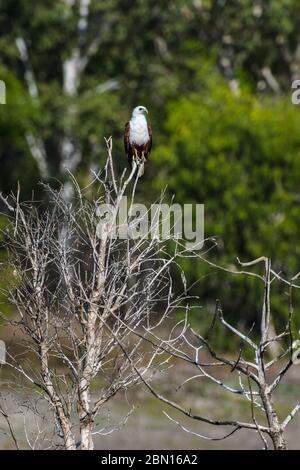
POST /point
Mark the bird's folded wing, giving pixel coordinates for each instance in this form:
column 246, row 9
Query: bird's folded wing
column 126, row 138
column 149, row 143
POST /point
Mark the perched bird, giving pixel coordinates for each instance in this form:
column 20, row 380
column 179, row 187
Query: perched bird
column 138, row 139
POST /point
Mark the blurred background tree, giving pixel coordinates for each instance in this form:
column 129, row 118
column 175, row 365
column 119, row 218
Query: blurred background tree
column 241, row 157
column 216, row 77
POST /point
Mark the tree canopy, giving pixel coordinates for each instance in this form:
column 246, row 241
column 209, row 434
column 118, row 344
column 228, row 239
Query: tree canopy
column 216, row 77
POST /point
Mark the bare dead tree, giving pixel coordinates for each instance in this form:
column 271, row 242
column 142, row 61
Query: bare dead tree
column 256, row 378
column 82, row 296
column 90, row 310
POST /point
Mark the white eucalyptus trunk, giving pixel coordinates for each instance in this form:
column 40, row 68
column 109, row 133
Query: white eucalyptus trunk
column 86, row 420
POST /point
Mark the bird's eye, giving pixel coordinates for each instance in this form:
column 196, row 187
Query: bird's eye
column 140, row 109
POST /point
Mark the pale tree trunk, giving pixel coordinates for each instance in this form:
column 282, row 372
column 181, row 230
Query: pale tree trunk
column 72, row 70
column 63, row 419
column 68, row 436
column 86, row 420
column 35, row 143
column 71, row 154
column 276, row 432
column 92, row 346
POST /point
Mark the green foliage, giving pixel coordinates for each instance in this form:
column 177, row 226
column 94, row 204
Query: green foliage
column 241, row 158
column 135, row 45
column 17, row 118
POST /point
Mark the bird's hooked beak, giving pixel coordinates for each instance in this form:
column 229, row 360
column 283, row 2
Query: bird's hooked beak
column 146, row 110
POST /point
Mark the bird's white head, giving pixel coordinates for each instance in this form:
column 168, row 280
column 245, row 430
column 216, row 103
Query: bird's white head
column 139, row 110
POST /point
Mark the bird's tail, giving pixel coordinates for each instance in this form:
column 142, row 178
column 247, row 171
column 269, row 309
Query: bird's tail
column 141, row 169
